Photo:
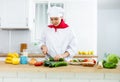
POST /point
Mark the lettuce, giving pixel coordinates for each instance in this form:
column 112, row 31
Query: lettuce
column 112, row 58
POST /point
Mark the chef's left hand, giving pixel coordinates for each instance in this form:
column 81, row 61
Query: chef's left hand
column 57, row 57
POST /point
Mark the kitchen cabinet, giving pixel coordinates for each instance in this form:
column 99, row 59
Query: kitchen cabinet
column 14, row 14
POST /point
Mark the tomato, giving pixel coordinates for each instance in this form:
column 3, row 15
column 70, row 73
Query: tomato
column 38, row 63
column 85, row 60
column 94, row 61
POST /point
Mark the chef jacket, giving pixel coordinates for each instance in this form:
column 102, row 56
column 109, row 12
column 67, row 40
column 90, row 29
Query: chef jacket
column 59, row 41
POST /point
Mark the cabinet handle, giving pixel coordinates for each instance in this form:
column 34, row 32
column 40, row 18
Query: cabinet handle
column 0, row 21
column 33, row 20
column 26, row 21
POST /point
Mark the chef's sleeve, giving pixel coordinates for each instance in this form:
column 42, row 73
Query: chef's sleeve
column 42, row 39
column 72, row 47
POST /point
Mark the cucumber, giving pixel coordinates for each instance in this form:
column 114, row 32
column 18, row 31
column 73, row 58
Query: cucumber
column 46, row 63
column 52, row 64
column 61, row 59
column 51, row 59
column 58, row 64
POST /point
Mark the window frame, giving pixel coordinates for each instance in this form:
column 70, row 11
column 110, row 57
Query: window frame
column 34, row 34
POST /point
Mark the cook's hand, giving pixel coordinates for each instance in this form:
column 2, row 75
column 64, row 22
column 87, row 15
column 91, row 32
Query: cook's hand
column 57, row 57
column 66, row 54
column 44, row 49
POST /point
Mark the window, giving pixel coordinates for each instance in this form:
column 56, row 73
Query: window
column 41, row 18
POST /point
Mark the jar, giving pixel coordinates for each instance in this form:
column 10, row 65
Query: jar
column 25, row 52
column 23, row 60
column 23, row 46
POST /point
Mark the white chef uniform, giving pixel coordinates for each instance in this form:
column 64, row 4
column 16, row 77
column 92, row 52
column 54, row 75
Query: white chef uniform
column 59, row 41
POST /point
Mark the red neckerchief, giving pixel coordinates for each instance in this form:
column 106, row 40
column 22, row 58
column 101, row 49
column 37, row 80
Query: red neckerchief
column 62, row 25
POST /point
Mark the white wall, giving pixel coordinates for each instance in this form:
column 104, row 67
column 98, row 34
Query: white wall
column 108, row 31
column 81, row 15
column 108, row 27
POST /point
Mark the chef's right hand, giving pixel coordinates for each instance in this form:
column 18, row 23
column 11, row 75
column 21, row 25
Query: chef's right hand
column 44, row 49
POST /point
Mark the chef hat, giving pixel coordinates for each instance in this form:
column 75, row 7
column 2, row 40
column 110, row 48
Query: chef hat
column 55, row 11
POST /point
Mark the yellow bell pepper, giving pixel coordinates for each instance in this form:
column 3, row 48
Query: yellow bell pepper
column 9, row 58
column 8, row 61
column 13, row 55
column 15, row 61
column 16, row 55
column 12, row 58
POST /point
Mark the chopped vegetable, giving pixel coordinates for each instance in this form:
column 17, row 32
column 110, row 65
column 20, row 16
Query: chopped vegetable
column 85, row 60
column 75, row 60
column 38, row 63
column 94, row 61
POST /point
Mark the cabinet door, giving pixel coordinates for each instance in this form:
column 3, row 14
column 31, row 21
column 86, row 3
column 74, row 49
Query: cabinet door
column 1, row 10
column 15, row 14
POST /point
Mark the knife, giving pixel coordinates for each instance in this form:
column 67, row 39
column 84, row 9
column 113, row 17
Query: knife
column 49, row 55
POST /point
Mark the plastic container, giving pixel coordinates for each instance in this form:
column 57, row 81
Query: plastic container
column 23, row 60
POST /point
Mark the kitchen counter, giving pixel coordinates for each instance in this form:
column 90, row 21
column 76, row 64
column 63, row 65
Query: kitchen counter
column 70, row 73
column 69, row 68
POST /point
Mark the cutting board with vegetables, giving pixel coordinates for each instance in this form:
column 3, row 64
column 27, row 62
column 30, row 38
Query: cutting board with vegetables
column 83, row 62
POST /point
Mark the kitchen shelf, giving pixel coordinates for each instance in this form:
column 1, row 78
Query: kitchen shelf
column 39, row 55
column 85, row 56
column 20, row 28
